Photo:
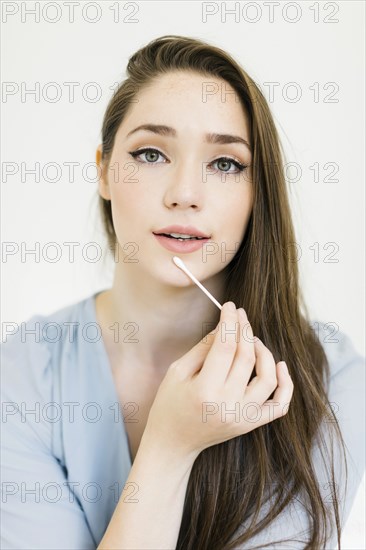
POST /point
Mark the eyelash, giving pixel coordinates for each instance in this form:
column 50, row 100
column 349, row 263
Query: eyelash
column 139, row 152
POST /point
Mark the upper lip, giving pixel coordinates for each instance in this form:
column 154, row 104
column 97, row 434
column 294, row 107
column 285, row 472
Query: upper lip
column 183, row 229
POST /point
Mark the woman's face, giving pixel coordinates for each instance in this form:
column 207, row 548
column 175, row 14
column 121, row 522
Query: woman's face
column 176, row 176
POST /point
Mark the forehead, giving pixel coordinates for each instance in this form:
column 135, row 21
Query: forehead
column 189, row 96
column 186, row 84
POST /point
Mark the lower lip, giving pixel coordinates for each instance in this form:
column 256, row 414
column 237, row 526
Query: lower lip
column 180, row 246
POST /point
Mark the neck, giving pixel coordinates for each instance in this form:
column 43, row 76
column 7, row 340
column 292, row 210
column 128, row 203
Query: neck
column 158, row 321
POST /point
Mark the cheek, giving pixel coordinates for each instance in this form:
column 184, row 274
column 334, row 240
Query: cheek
column 127, row 196
column 236, row 210
column 124, row 182
column 131, row 205
column 134, row 184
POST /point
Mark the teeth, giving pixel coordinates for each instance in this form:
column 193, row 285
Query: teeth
column 182, row 236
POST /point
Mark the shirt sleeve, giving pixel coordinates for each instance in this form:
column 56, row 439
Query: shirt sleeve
column 39, row 510
column 346, row 395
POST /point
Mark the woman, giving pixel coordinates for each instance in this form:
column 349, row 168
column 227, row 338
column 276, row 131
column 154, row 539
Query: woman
column 234, row 438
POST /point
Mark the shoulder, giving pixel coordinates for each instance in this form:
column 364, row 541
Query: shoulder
column 32, row 428
column 32, row 353
column 30, row 348
column 346, row 395
column 347, row 380
column 339, row 348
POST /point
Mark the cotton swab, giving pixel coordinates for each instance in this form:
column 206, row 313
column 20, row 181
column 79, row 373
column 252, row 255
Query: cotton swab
column 179, row 263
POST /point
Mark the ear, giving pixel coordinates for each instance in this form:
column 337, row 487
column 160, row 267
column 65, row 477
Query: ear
column 102, row 171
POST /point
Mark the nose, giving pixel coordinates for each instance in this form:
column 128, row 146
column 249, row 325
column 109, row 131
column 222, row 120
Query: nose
column 185, row 188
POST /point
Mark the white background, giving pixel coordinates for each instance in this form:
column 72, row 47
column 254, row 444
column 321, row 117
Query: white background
column 319, row 56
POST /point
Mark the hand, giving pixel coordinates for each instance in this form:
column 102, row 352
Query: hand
column 205, row 399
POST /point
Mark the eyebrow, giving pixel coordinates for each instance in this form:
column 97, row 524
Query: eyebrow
column 209, row 138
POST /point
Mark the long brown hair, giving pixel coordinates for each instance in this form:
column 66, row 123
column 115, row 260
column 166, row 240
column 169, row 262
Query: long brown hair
column 230, row 482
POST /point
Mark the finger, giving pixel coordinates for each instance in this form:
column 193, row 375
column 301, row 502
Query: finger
column 222, row 352
column 262, row 385
column 192, row 361
column 276, row 407
column 285, row 388
column 244, row 359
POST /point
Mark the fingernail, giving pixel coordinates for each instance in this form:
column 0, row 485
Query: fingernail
column 230, row 307
column 284, row 367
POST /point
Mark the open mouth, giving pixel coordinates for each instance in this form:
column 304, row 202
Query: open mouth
column 177, row 242
column 178, row 237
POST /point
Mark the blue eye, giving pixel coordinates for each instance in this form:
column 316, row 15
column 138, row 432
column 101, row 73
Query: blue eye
column 239, row 167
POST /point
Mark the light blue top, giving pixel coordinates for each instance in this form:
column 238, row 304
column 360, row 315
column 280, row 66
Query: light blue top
column 65, row 454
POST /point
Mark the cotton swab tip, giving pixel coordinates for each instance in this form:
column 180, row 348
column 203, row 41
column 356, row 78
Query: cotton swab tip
column 178, row 262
